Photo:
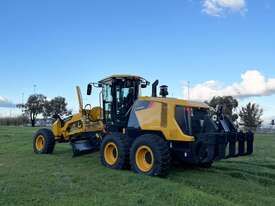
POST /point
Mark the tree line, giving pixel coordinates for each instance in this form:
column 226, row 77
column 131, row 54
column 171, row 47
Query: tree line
column 14, row 121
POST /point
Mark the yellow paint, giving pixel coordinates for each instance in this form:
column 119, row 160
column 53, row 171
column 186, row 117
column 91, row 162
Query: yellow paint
column 175, row 101
column 56, row 129
column 111, row 153
column 95, row 113
column 84, row 121
column 144, row 158
column 150, row 118
column 77, row 124
column 40, row 142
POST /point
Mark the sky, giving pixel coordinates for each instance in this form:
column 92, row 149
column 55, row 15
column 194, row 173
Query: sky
column 222, row 47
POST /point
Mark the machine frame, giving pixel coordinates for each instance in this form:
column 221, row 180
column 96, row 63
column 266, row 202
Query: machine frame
column 146, row 132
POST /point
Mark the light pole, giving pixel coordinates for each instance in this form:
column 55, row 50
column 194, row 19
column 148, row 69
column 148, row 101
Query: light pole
column 34, row 88
column 188, row 89
column 187, row 84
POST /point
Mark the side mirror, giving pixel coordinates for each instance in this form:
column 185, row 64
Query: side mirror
column 89, row 89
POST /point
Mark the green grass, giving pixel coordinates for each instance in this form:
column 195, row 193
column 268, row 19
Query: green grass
column 59, row 179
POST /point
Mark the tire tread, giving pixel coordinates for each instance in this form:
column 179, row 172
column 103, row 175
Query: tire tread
column 162, row 154
column 49, row 141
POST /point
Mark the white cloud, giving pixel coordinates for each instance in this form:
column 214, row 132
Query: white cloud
column 220, row 7
column 4, row 102
column 252, row 84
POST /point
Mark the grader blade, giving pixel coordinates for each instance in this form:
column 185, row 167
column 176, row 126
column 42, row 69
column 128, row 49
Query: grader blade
column 82, row 147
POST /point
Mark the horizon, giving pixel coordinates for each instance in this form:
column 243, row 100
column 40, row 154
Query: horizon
column 58, row 45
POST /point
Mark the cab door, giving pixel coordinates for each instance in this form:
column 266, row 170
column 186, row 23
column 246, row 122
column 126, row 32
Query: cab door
column 107, row 104
column 118, row 98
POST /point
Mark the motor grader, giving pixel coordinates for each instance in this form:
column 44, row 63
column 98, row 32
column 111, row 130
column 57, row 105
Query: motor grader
column 145, row 133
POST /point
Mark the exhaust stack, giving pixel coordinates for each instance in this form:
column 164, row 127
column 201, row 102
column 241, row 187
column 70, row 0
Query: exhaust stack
column 154, row 88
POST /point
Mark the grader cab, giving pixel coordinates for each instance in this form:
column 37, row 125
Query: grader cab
column 145, row 133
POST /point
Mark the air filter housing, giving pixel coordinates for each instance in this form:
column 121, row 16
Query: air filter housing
column 163, row 91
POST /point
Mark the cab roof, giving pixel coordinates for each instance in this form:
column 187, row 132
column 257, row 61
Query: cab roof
column 121, row 76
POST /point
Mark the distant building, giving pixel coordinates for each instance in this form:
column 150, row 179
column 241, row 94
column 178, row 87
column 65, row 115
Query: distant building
column 44, row 122
column 267, row 128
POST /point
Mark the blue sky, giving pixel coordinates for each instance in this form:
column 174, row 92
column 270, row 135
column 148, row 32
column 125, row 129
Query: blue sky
column 60, row 44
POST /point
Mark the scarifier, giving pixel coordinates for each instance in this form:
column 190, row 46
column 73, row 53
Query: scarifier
column 145, row 133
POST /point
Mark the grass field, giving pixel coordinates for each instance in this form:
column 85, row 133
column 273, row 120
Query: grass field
column 59, row 179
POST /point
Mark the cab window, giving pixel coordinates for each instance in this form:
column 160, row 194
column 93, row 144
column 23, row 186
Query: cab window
column 181, row 114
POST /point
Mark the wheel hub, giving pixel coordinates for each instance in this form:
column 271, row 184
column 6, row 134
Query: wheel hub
column 144, row 158
column 111, row 153
column 39, row 143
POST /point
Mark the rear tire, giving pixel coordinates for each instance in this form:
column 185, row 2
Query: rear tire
column 43, row 141
column 114, row 151
column 150, row 155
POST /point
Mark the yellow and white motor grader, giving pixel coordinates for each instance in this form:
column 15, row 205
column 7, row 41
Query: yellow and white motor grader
column 145, row 133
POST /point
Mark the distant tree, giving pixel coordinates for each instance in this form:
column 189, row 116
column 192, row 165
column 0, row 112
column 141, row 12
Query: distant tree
column 34, row 106
column 251, row 116
column 47, row 111
column 55, row 106
column 15, row 121
column 273, row 122
column 229, row 103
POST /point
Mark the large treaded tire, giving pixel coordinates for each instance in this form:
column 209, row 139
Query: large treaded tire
column 48, row 141
column 161, row 154
column 122, row 144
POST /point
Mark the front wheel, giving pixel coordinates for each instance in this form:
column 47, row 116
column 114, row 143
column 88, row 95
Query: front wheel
column 43, row 141
column 114, row 151
column 150, row 155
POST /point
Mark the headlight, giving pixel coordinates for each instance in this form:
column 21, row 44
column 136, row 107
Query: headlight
column 214, row 117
